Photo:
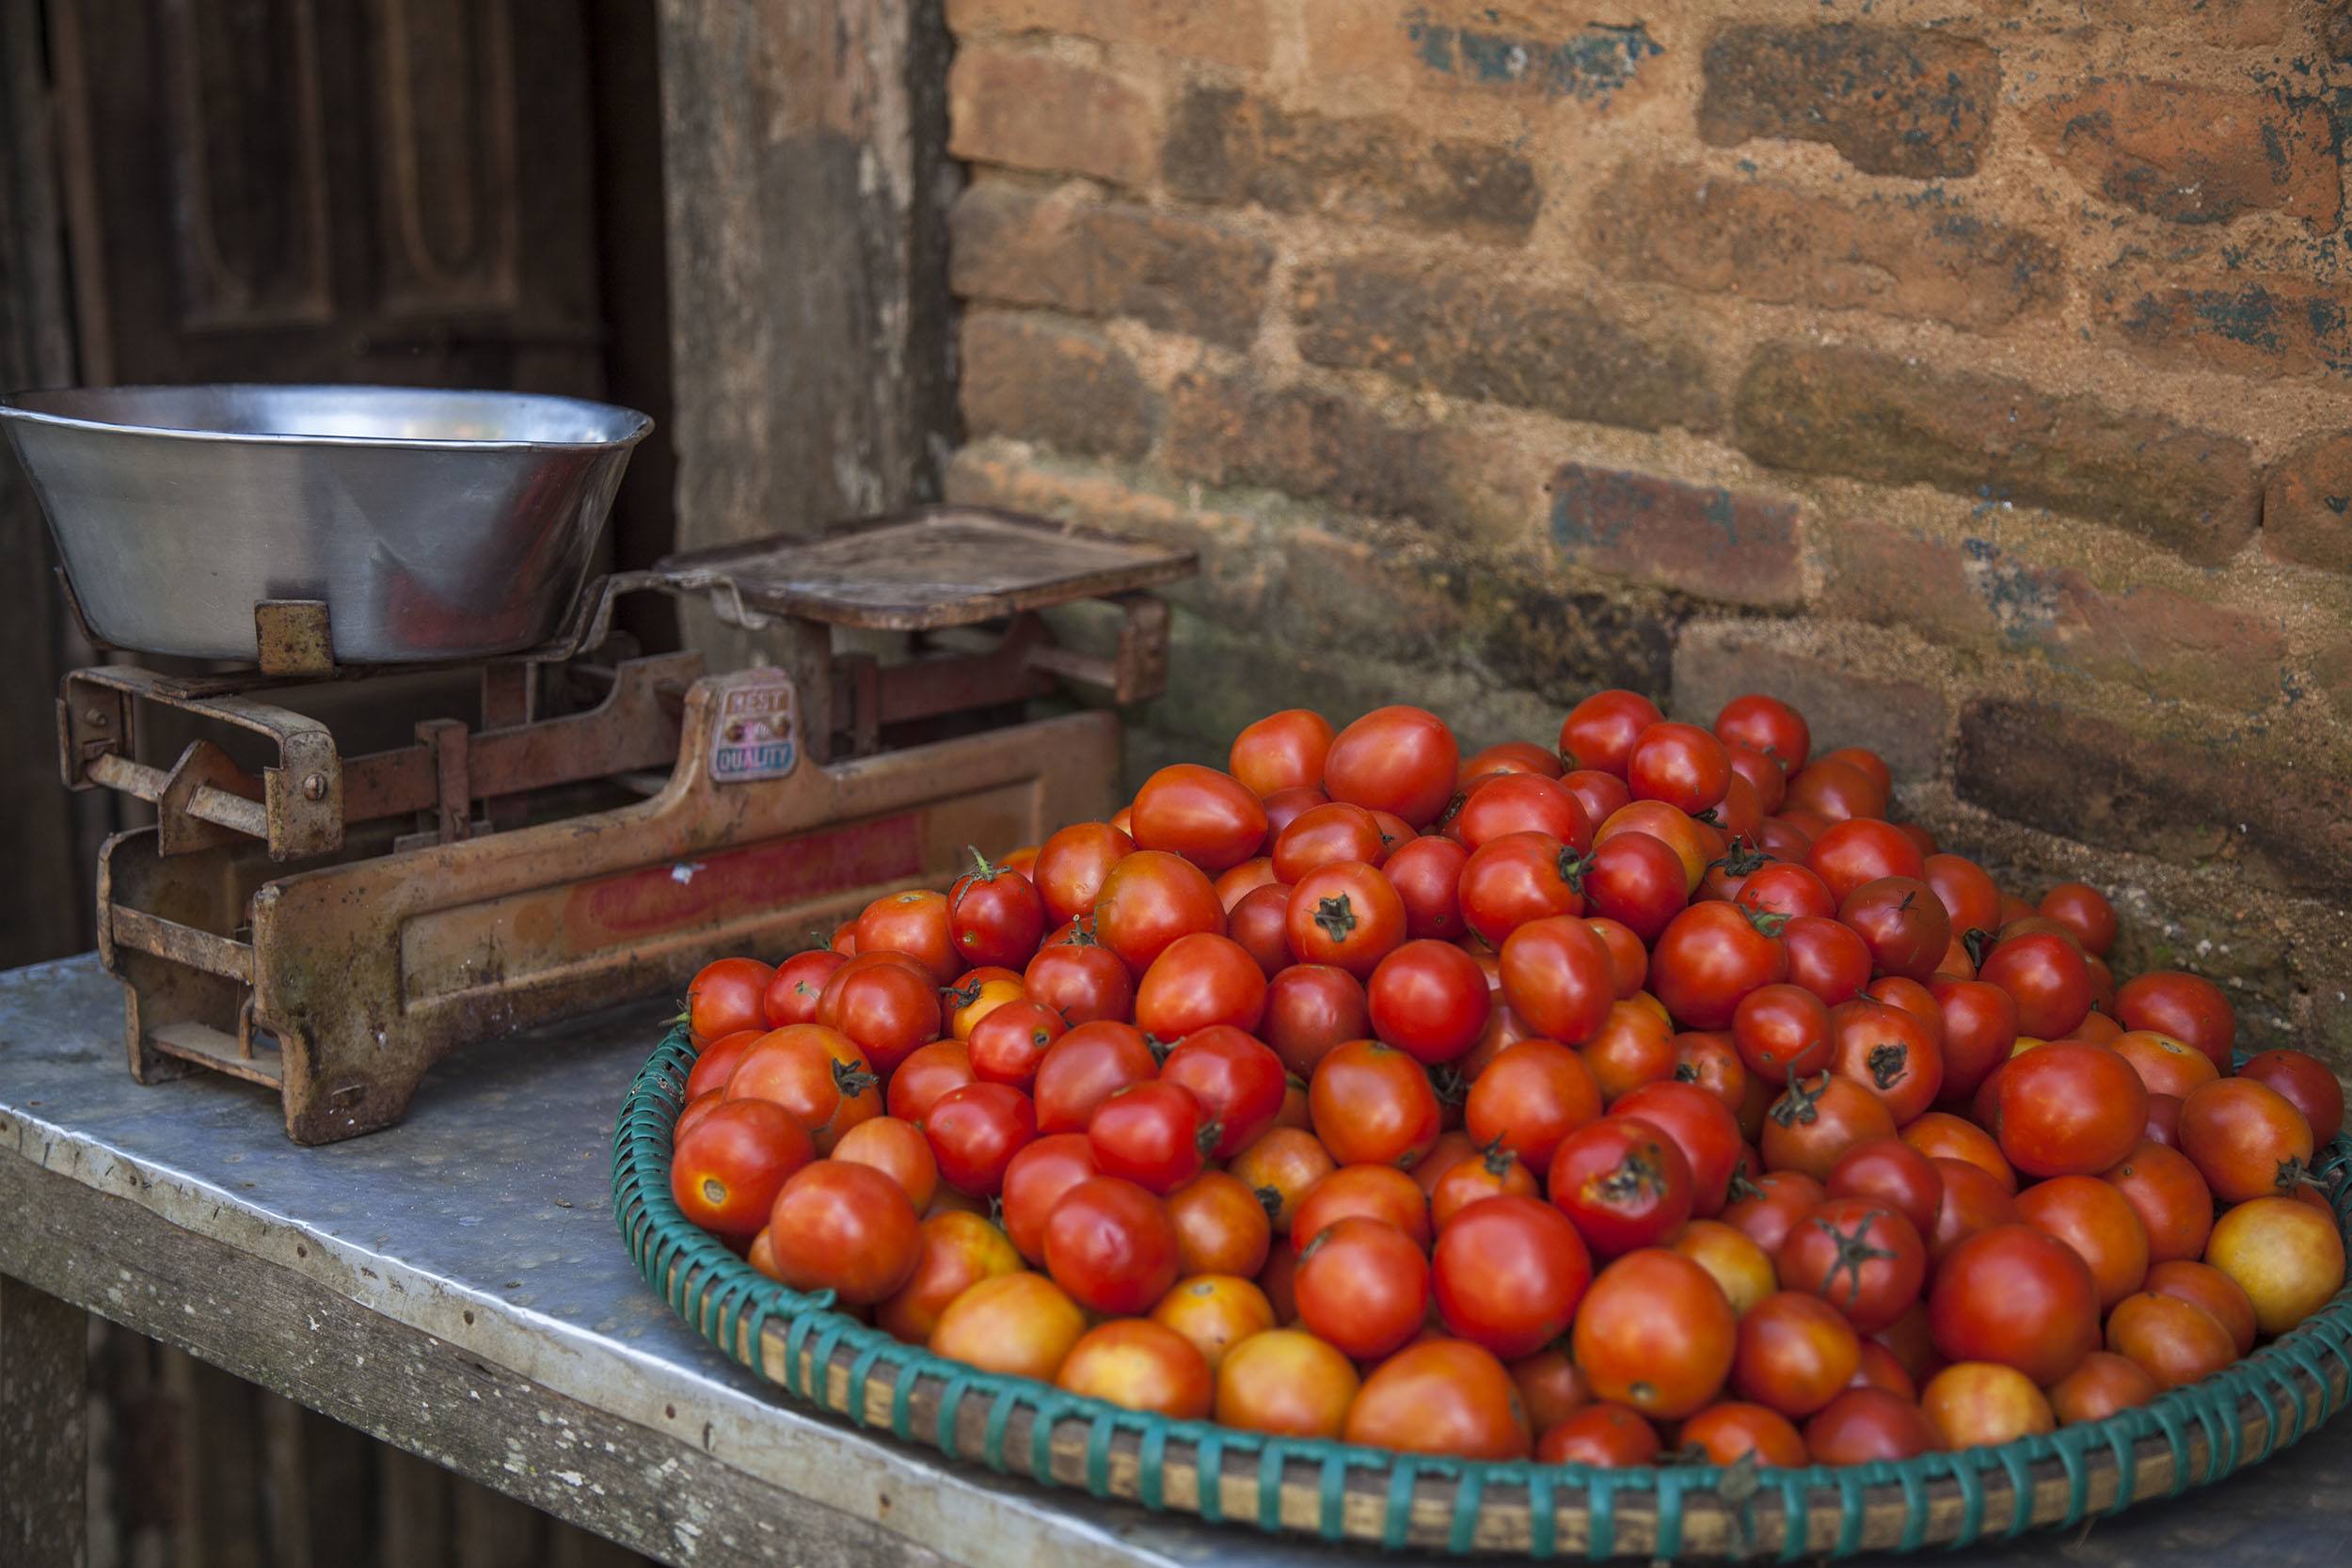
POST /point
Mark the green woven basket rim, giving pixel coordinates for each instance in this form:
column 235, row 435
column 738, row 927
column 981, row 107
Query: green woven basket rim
column 720, row 1294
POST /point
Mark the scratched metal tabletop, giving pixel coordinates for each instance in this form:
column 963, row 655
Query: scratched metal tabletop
column 484, row 1221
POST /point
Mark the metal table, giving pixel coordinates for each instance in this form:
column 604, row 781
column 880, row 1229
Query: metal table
column 455, row 1286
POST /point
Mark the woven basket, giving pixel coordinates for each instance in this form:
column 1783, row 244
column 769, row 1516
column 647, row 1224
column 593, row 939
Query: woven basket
column 2189, row 1437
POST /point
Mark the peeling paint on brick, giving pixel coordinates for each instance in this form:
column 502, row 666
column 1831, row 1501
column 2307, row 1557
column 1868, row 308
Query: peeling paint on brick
column 1594, row 64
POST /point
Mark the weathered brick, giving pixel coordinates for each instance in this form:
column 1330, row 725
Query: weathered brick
column 1875, row 416
column 2267, row 326
column 2195, row 154
column 1852, row 696
column 1033, row 111
column 1973, row 593
column 1890, row 100
column 1766, row 242
column 1481, row 337
column 2228, row 24
column 1055, row 382
column 2195, row 800
column 1231, row 31
column 1175, row 271
column 1544, row 51
column 1228, row 146
column 2306, row 507
column 1702, row 540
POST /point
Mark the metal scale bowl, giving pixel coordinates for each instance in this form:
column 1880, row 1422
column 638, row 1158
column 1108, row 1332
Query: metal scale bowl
column 328, row 925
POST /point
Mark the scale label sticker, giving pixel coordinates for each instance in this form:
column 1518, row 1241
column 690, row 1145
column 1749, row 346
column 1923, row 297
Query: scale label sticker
column 758, row 735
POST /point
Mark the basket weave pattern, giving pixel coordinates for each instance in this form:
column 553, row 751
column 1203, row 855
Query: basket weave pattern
column 2189, row 1437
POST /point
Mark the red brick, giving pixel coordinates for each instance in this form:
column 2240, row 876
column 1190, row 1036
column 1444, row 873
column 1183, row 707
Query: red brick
column 1052, row 382
column 1032, row 111
column 2195, row 154
column 1766, row 242
column 1890, row 100
column 1477, row 336
column 1225, row 146
column 2193, row 799
column 2306, row 508
column 1174, row 271
column 2228, row 24
column 1974, row 593
column 1872, row 701
column 1231, row 31
column 2267, row 326
column 1876, row 416
column 1701, row 540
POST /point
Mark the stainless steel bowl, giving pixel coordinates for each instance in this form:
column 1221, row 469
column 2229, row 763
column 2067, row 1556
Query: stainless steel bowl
column 436, row 525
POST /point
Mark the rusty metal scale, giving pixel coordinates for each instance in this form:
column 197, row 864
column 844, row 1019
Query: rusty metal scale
column 328, row 925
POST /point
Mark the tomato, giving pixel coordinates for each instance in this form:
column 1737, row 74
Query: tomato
column 1139, row 1364
column 2019, row 1297
column 1888, row 1051
column 1310, row 1008
column 887, row 1009
column 2171, row 1340
column 1395, row 759
column 1635, row 1046
column 1901, row 922
column 916, row 923
column 1678, row 764
column 1278, row 1280
column 1708, row 1059
column 1770, row 1205
column 1427, row 874
column 844, row 1227
column 715, row 1063
column 1860, row 1255
column 1655, row 1332
column 923, row 1077
column 1363, row 1285
column 977, row 993
column 1259, row 922
column 1511, row 757
column 1152, row 1134
column 2305, row 1083
column 2069, row 1110
column 2083, row 910
column 2096, row 1220
column 1881, row 1370
column 2174, row 1205
column 1519, row 877
column 1085, row 1067
column 1286, row 806
column 1111, row 1245
column 1080, row 980
column 897, row 1150
column 1148, row 900
column 1287, row 1164
column 1741, row 1269
column 726, row 996
column 1826, row 958
column 1215, row 1312
column 799, row 981
column 1966, row 893
column 1197, row 981
column 1768, row 725
column 1368, row 1191
column 1785, row 888
column 1443, row 1397
column 2287, row 1257
column 1607, row 1436
column 1237, row 883
column 2205, row 1286
column 1889, row 1171
column 726, row 1170
column 2188, row 1007
column 2104, row 1385
column 956, row 1251
column 1330, row 835
column 1863, row 1426
column 1372, row 1104
column 1035, row 1180
column 699, row 1107
column 1701, row 1125
column 1638, row 880
column 1210, row 817
column 1016, row 1325
column 1817, row 1120
column 1794, row 1353
column 1601, row 795
column 1072, row 863
column 1492, row 1172
column 1007, row 1046
column 1557, row 976
column 1283, row 750
column 1550, row 1387
column 996, row 916
column 1782, row 1030
column 1862, row 850
column 1910, row 1340
column 1429, row 999
column 1533, row 1095
column 1973, row 1405
column 1286, row 1382
column 1624, row 1182
column 2163, row 1121
column 1763, row 772
column 1728, row 1433
column 1346, row 915
column 976, row 1131
column 2245, row 1138
column 1599, row 732
column 1239, row 1083
column 1693, row 842
column 1941, row 1136
column 1520, row 803
column 1508, row 1273
column 2048, row 980
column 1971, row 1200
column 1221, row 1227
column 1980, row 1028
column 816, row 1073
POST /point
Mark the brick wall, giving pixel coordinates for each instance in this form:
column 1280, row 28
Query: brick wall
column 1979, row 376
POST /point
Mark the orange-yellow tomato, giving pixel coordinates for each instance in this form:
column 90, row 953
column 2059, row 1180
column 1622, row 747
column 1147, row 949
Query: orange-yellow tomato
column 1216, row 1311
column 1974, row 1403
column 1141, row 1365
column 1286, row 1381
column 958, row 1250
column 1021, row 1324
column 1739, row 1265
column 2287, row 1257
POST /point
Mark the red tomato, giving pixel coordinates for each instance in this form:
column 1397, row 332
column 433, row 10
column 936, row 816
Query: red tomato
column 2083, row 910
column 1628, row 956
column 698, row 1107
column 976, row 1131
column 1679, row 764
column 2245, row 1139
column 1036, row 1178
column 1510, row 880
column 923, row 1077
column 716, row 1062
column 726, row 996
column 1345, row 915
column 847, row 1229
column 1607, row 1436
column 2164, row 1064
column 1637, row 880
column 1863, row 1426
column 1442, row 1397
column 996, row 916
column 2069, row 1110
column 1601, row 795
column 896, row 1149
column 1331, row 834
column 1283, row 750
column 1558, row 976
column 1080, row 980
column 914, row 923
column 1730, row 1432
column 1701, row 1125
column 1694, row 841
column 1768, row 725
column 1210, row 818
column 1599, row 732
column 1495, row 1172
column 1112, row 1246
column 1238, row 1079
column 2015, row 1295
column 1782, row 1031
column 1903, row 923
column 2099, row 1222
column 2174, row 1205
column 1072, row 865
column 799, row 981
column 1372, row 1104
column 1859, row 1255
column 2104, row 1385
column 887, row 1009
column 1237, row 883
column 1833, row 791
column 1085, row 1067
column 1395, row 759
column 1368, row 1191
column 1530, row 1098
column 2169, row 1340
column 726, row 1169
column 1148, row 900
column 1795, row 1353
column 1550, row 1387
column 1817, row 1120
column 958, row 1250
column 1508, row 1273
column 1309, row 1009
column 816, row 1073
column 1888, row 1052
column 1655, row 1332
column 1826, row 958
column 1007, row 1046
column 2217, row 1292
column 2188, row 1007
column 1259, row 921
column 1709, row 958
column 1197, row 981
column 2305, row 1083
column 1890, row 1171
column 1429, row 999
column 1426, row 873
column 1973, row 1200
column 1520, row 803
column 1511, row 757
column 1764, row 774
column 1767, row 1208
column 1624, row 1182
column 1966, row 893
column 2047, row 977
column 1980, row 1030
column 1150, row 1135
column 1221, row 1227
column 1363, row 1285
column 1862, row 850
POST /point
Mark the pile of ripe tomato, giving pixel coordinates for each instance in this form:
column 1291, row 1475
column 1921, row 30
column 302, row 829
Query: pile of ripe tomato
column 1647, row 1096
